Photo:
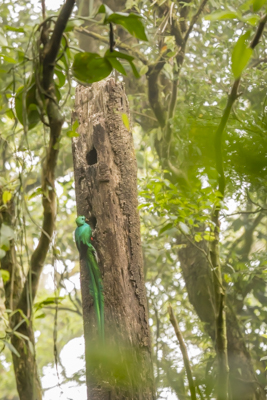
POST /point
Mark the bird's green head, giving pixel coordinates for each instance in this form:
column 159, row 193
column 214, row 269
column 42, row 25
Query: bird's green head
column 80, row 220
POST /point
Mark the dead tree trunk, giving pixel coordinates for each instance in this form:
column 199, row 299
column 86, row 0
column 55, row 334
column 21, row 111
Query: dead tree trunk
column 106, row 193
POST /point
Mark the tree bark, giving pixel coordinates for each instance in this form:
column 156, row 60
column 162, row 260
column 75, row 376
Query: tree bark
column 106, row 192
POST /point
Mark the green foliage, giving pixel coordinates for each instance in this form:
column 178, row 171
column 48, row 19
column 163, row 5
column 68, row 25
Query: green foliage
column 73, row 132
column 221, row 15
column 91, row 67
column 131, row 22
column 241, row 55
column 25, row 100
column 257, row 4
column 125, row 121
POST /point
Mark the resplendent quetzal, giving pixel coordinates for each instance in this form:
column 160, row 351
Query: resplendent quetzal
column 83, row 238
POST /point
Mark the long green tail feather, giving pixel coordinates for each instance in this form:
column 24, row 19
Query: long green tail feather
column 97, row 290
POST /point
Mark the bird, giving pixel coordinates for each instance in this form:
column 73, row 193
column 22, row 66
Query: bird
column 83, row 239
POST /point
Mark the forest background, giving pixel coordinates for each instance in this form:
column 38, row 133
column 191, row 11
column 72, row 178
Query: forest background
column 202, row 77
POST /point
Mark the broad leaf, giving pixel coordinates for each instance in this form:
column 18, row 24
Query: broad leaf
column 184, row 228
column 117, row 54
column 73, row 132
column 116, row 64
column 219, row 15
column 168, row 226
column 257, row 4
column 131, row 22
column 90, row 67
column 31, row 114
column 251, row 19
column 241, row 55
column 6, row 197
column 61, row 77
column 14, row 29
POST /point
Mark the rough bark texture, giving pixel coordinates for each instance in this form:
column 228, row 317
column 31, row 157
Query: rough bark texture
column 106, row 192
column 197, row 275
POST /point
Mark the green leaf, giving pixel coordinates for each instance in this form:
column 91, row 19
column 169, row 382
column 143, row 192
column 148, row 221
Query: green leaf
column 157, row 187
column 251, row 19
column 11, row 347
column 48, row 301
column 36, row 192
column 8, row 59
column 31, row 348
column 246, row 6
column 166, row 227
column 73, row 132
column 241, row 55
column 184, row 228
column 40, row 316
column 143, row 70
column 104, row 9
column 61, row 77
column 131, row 22
column 125, row 121
column 57, row 145
column 90, row 67
column 31, row 113
column 75, row 125
column 220, row 15
column 135, row 72
column 4, row 274
column 116, row 64
column 257, row 4
column 117, row 54
column 263, row 358
column 14, row 29
column 6, row 197
column 198, row 237
column 10, row 114
column 20, row 335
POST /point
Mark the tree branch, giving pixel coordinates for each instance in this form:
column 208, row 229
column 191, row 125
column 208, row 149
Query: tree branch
column 183, row 349
column 154, row 92
column 52, row 48
column 194, row 19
